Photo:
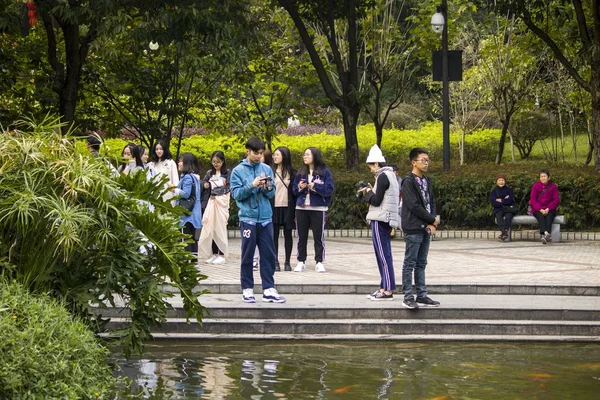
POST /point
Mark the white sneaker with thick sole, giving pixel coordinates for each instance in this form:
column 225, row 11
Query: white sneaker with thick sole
column 320, row 267
column 211, row 259
column 300, row 266
column 219, row 260
column 271, row 296
column 248, row 296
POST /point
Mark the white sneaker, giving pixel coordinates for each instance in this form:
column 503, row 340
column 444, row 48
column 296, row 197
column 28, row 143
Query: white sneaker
column 248, row 296
column 300, row 266
column 255, row 266
column 320, row 267
column 271, row 296
column 211, row 259
column 219, row 260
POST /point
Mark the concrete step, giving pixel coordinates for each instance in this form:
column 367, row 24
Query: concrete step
column 288, row 327
column 308, row 316
column 428, row 337
column 493, row 307
column 345, row 288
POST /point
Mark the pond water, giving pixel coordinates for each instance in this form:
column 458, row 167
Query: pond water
column 368, row 370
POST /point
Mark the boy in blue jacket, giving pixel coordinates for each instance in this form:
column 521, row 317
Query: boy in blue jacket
column 251, row 188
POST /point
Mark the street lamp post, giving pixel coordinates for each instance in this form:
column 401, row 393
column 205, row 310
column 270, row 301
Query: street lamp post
column 439, row 24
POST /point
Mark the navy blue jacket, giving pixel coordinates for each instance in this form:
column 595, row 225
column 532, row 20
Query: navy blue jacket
column 505, row 193
column 320, row 196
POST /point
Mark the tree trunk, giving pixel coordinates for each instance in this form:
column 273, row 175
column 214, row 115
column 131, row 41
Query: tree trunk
column 67, row 76
column 70, row 87
column 512, row 149
column 350, row 118
column 378, row 132
column 505, row 124
column 596, row 127
column 595, row 81
column 462, row 146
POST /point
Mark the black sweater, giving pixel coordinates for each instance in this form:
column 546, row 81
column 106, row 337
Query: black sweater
column 415, row 216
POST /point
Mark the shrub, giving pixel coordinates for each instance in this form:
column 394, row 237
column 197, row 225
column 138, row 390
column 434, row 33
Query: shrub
column 73, row 230
column 47, row 354
column 482, row 119
column 463, row 194
column 527, row 128
column 405, row 116
column 481, row 146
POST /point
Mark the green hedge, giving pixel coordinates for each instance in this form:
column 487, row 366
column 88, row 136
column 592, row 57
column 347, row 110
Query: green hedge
column 463, row 196
column 462, row 193
column 396, row 144
column 47, row 354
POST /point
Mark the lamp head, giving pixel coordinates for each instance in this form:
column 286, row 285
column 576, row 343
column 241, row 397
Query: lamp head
column 437, row 22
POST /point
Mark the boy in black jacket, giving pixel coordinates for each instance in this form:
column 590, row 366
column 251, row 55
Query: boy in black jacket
column 419, row 223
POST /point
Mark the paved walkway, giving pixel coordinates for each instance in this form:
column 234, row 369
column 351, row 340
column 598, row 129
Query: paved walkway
column 350, row 260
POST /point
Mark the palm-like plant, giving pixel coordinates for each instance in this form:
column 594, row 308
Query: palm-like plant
column 71, row 228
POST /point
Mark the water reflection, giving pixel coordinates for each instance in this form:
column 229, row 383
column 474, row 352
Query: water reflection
column 371, row 370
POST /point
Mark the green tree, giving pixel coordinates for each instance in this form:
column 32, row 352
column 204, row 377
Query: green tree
column 72, row 229
column 165, row 63
column 388, row 64
column 25, row 76
column 571, row 30
column 336, row 33
column 264, row 89
column 507, row 73
column 527, row 128
column 72, row 27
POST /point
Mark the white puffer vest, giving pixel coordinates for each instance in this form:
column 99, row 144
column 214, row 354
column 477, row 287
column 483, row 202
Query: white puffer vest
column 387, row 211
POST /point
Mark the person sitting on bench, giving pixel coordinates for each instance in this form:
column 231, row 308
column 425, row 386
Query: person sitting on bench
column 503, row 201
column 544, row 201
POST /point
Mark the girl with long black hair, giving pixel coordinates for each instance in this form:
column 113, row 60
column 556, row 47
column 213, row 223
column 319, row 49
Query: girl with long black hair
column 215, row 212
column 189, row 188
column 313, row 187
column 284, row 205
column 161, row 161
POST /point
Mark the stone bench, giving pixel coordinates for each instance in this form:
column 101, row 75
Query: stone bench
column 531, row 220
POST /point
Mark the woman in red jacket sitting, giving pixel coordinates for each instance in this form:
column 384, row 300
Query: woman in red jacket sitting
column 544, row 202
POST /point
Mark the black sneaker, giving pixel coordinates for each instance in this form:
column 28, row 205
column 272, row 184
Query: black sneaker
column 277, row 267
column 410, row 304
column 379, row 296
column 427, row 302
column 287, row 266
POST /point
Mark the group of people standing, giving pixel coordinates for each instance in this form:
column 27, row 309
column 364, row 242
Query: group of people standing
column 308, row 199
column 270, row 194
column 544, row 199
column 271, row 198
column 416, row 216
